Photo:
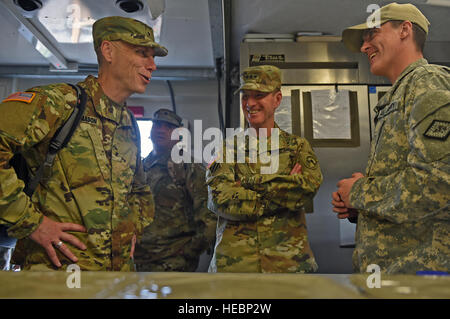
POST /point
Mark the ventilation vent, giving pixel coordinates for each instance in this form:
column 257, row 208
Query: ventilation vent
column 130, row 6
column 28, row 5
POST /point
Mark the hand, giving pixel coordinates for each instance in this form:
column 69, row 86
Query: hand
column 296, row 170
column 133, row 244
column 344, row 187
column 357, row 175
column 339, row 206
column 51, row 233
column 351, row 213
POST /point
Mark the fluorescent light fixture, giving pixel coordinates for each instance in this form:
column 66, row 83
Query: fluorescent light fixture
column 156, row 26
column 70, row 21
column 442, row 3
column 156, row 8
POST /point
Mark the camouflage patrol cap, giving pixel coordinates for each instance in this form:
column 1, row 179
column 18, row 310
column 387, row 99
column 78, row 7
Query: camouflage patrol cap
column 263, row 78
column 126, row 29
column 352, row 36
column 168, row 116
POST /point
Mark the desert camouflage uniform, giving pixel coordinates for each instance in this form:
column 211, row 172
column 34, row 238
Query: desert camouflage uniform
column 183, row 226
column 404, row 220
column 96, row 180
column 261, row 225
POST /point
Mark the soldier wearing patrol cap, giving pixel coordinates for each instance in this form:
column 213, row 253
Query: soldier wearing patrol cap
column 94, row 202
column 183, row 227
column 402, row 203
column 261, row 214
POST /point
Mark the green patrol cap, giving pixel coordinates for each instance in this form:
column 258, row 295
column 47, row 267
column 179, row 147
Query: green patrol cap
column 126, row 29
column 168, row 116
column 352, row 36
column 263, row 78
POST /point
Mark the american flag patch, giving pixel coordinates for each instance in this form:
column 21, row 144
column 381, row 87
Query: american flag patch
column 26, row 97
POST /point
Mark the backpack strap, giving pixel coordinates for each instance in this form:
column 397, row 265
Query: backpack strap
column 59, row 140
column 138, row 137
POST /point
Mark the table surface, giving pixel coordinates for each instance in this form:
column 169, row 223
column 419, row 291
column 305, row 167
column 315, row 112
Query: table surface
column 177, row 285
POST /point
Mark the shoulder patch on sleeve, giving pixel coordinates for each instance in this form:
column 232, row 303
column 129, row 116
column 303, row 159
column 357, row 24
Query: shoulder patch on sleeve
column 309, row 160
column 211, row 162
column 212, row 167
column 26, row 97
column 438, row 129
column 214, row 159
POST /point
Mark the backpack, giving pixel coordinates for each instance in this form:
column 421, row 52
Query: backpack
column 59, row 140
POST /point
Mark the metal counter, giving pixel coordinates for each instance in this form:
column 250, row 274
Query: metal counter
column 116, row 285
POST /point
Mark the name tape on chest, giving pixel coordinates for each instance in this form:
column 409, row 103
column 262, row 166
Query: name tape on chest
column 88, row 119
column 26, row 97
column 394, row 106
column 438, row 129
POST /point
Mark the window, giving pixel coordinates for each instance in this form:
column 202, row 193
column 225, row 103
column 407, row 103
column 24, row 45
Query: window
column 145, row 127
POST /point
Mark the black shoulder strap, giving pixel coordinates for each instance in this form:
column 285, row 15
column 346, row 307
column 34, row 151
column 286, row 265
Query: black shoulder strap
column 138, row 135
column 59, row 140
column 64, row 133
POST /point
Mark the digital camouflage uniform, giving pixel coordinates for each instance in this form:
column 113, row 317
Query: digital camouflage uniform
column 403, row 202
column 94, row 179
column 404, row 215
column 183, row 226
column 261, row 225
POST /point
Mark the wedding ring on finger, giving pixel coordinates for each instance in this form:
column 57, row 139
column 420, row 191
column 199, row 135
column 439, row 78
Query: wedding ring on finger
column 59, row 244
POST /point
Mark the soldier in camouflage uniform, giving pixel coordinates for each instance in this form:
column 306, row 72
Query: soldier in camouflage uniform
column 261, row 216
column 183, row 226
column 95, row 200
column 402, row 203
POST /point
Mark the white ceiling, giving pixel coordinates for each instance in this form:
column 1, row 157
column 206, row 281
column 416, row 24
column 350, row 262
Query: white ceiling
column 186, row 29
column 185, row 32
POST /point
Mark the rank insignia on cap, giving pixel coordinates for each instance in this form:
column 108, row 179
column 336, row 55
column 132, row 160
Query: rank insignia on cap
column 25, row 97
column 438, row 129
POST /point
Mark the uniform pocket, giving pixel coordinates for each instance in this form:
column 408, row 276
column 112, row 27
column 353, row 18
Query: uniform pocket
column 79, row 159
column 441, row 232
column 125, row 154
column 390, row 140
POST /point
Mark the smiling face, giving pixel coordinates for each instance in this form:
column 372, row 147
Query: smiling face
column 259, row 107
column 382, row 47
column 132, row 65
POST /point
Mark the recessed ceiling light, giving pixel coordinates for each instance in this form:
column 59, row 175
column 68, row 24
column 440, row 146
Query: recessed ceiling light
column 130, row 6
column 28, row 5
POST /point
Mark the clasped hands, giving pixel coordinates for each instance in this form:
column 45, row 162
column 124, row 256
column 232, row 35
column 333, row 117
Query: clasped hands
column 341, row 198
